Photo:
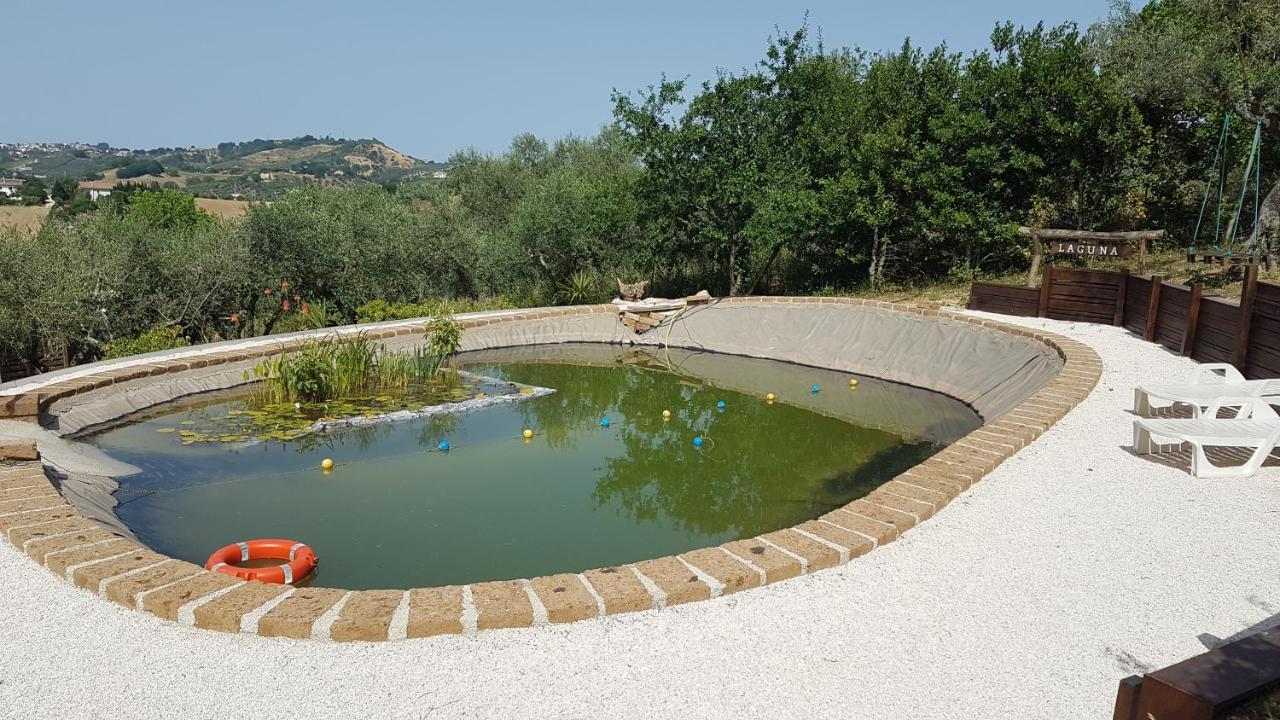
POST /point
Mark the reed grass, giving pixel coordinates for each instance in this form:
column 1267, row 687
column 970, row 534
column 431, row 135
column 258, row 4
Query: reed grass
column 335, row 367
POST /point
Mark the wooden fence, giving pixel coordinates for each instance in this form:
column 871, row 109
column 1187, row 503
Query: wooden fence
column 12, row 367
column 1245, row 333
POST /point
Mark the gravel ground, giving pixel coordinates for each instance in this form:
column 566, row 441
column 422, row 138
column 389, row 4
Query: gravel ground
column 1071, row 566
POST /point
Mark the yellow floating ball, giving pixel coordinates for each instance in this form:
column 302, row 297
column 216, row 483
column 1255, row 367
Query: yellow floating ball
column 666, row 414
column 326, row 464
column 853, row 382
column 528, row 433
column 770, row 397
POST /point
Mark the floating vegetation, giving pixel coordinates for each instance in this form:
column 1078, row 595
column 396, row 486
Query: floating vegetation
column 334, row 379
column 250, row 420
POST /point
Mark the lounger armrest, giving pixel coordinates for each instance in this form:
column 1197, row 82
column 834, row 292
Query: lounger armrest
column 1209, row 373
column 1248, row 407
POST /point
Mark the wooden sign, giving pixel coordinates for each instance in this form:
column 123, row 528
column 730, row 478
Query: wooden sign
column 1091, row 249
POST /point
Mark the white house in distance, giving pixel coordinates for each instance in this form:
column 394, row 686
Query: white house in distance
column 97, row 188
column 9, row 186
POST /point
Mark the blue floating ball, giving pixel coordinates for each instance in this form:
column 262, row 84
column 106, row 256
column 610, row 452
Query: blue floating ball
column 443, row 446
column 604, row 422
column 719, row 404
column 814, row 388
column 697, row 442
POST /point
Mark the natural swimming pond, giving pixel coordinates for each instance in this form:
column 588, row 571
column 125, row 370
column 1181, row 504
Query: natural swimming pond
column 397, row 512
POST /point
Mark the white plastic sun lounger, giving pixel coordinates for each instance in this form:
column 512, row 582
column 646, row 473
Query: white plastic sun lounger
column 1211, row 382
column 1255, row 425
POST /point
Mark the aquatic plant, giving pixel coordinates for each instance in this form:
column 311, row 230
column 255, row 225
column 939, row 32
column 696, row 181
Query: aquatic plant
column 444, row 335
column 335, row 367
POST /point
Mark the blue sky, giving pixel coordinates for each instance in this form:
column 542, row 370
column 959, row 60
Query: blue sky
column 428, row 78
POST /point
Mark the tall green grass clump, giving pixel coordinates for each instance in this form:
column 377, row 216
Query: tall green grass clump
column 335, row 367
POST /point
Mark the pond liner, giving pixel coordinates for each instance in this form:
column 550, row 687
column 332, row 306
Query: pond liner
column 988, row 370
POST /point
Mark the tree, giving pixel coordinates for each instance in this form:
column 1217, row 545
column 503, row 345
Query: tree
column 1198, row 59
column 167, row 209
column 138, row 168
column 718, row 176
column 32, row 191
column 64, row 190
column 351, row 246
column 581, row 214
column 69, row 199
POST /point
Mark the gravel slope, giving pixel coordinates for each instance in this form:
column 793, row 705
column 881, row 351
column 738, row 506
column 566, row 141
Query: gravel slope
column 1030, row 596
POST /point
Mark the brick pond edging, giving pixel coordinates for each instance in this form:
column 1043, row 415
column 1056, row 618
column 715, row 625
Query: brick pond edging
column 37, row 520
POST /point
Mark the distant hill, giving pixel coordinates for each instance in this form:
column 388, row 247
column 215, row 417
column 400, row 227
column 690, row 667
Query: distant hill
column 254, row 169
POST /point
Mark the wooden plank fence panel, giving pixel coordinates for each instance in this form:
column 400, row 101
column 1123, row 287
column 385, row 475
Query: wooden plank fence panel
column 1262, row 356
column 1004, row 299
column 1171, row 322
column 1215, row 339
column 1209, row 329
column 1086, row 296
column 1137, row 301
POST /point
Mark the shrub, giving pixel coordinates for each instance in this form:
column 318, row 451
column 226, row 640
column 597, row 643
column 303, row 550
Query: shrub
column 165, row 337
column 382, row 311
column 444, row 335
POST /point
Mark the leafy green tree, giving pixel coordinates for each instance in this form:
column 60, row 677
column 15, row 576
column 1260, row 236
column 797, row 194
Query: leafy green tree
column 582, row 214
column 1187, row 62
column 721, row 175
column 64, row 190
column 352, row 246
column 138, row 168
column 167, row 208
column 32, row 191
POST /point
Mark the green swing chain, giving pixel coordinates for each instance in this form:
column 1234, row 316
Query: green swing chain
column 1219, row 169
column 1220, row 172
column 1255, row 160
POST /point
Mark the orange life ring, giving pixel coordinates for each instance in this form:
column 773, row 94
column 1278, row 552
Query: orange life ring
column 300, row 560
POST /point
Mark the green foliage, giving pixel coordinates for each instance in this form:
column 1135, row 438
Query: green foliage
column 444, row 335
column 345, row 367
column 1186, row 62
column 582, row 287
column 32, row 191
column 382, row 311
column 351, row 246
column 169, row 209
column 140, row 167
column 89, row 280
column 64, row 190
column 69, row 200
column 165, row 337
column 892, row 166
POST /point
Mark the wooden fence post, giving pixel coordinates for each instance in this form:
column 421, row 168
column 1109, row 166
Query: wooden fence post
column 1153, row 308
column 1246, row 315
column 1193, row 319
column 1120, row 293
column 1127, row 698
column 1046, row 284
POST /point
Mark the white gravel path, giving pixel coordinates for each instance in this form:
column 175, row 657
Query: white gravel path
column 1072, row 565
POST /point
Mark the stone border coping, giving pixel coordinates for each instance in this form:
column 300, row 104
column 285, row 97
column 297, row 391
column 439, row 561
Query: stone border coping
column 35, row 518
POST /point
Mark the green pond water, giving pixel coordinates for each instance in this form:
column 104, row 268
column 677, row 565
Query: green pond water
column 398, row 513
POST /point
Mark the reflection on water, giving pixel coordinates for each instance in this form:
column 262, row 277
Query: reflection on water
column 398, row 513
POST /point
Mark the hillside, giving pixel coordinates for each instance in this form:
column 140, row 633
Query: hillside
column 254, row 169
